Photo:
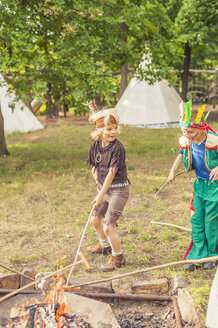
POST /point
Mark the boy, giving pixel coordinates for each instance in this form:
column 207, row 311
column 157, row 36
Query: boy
column 199, row 152
column 107, row 160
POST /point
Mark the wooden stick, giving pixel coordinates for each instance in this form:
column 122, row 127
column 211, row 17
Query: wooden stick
column 157, row 267
column 7, row 291
column 80, row 244
column 133, row 297
column 171, row 225
column 161, row 188
column 177, row 312
column 20, row 274
column 84, row 261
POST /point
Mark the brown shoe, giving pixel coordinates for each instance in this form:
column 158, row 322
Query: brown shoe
column 97, row 249
column 113, row 263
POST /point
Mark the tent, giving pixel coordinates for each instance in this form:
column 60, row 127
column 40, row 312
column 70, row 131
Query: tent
column 18, row 119
column 147, row 105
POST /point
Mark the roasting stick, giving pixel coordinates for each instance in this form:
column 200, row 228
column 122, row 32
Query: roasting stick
column 78, row 254
column 20, row 274
column 171, row 225
column 157, row 267
column 80, row 243
column 161, row 188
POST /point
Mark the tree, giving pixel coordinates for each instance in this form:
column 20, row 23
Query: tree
column 70, row 50
column 197, row 28
column 3, row 147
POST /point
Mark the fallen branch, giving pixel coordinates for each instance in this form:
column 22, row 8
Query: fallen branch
column 171, row 225
column 157, row 267
column 161, row 188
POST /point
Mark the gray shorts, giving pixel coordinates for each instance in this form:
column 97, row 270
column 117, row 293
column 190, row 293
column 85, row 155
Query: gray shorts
column 113, row 204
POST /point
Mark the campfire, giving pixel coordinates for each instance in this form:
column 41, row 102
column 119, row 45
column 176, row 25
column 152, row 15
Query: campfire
column 50, row 313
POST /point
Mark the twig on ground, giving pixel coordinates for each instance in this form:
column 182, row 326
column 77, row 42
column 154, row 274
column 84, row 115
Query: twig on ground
column 171, row 225
column 161, row 188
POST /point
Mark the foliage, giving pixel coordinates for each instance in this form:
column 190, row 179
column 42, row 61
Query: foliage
column 196, row 23
column 71, row 49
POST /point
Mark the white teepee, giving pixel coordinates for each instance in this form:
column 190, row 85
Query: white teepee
column 20, row 119
column 149, row 105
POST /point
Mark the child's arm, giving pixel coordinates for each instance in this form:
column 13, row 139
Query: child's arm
column 107, row 182
column 94, row 173
column 176, row 165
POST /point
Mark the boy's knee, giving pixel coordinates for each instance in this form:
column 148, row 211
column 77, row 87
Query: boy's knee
column 95, row 221
column 108, row 228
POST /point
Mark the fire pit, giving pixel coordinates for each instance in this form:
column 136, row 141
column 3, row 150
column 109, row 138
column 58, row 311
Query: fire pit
column 58, row 309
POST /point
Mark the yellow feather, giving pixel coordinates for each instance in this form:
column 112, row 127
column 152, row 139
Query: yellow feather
column 182, row 112
column 199, row 115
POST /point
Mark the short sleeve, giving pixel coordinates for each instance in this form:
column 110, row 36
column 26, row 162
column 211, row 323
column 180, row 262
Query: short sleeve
column 118, row 156
column 91, row 157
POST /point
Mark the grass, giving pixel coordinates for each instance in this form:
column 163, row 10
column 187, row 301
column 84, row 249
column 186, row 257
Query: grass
column 46, row 193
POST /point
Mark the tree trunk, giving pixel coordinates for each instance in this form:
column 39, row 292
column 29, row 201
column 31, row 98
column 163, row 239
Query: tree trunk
column 55, row 105
column 186, row 72
column 124, row 68
column 124, row 78
column 49, row 101
column 65, row 109
column 3, row 147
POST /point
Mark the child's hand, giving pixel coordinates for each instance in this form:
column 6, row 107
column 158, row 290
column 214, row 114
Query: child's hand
column 97, row 201
column 214, row 174
column 171, row 176
column 99, row 187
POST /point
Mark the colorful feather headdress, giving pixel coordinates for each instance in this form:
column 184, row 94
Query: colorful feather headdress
column 189, row 118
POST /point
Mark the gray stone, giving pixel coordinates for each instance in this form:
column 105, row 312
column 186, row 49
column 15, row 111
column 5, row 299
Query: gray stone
column 102, row 287
column 186, row 307
column 98, row 313
column 179, row 282
column 122, row 286
column 155, row 286
column 11, row 281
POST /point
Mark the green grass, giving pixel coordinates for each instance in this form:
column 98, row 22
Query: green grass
column 46, row 190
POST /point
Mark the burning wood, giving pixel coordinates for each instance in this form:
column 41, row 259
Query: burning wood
column 51, row 313
column 48, row 316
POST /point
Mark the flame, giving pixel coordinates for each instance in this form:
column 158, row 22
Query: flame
column 55, row 296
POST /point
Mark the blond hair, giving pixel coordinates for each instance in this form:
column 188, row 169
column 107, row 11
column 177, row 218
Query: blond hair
column 105, row 115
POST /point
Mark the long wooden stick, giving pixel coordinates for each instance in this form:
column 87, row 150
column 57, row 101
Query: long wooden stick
column 79, row 246
column 133, row 297
column 20, row 274
column 171, row 225
column 157, row 267
column 161, row 188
